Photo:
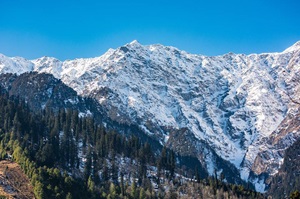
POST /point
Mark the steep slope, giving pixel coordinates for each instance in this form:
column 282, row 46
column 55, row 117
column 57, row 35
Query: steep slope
column 274, row 149
column 287, row 180
column 40, row 91
column 225, row 107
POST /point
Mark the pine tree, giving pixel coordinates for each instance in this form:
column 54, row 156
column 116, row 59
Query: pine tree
column 38, row 190
column 172, row 163
column 295, row 195
column 112, row 191
column 91, row 184
column 197, row 174
column 69, row 196
column 142, row 193
column 122, row 185
column 88, row 165
column 133, row 192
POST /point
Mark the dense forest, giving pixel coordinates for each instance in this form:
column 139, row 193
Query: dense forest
column 67, row 156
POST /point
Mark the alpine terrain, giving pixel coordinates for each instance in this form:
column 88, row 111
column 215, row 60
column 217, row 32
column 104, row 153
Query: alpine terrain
column 235, row 113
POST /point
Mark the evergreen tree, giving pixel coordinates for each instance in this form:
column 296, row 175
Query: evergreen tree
column 88, row 166
column 133, row 192
column 69, row 196
column 295, row 195
column 38, row 190
column 112, row 191
column 91, row 186
column 197, row 174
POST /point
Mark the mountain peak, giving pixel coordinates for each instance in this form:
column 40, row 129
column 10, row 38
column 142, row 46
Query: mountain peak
column 46, row 58
column 134, row 45
column 134, row 42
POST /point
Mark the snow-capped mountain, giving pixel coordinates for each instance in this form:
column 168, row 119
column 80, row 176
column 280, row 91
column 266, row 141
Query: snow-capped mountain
column 230, row 106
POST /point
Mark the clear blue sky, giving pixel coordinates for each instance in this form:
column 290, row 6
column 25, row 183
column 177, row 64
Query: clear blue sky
column 68, row 29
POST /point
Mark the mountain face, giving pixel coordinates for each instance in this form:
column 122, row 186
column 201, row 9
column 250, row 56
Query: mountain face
column 233, row 112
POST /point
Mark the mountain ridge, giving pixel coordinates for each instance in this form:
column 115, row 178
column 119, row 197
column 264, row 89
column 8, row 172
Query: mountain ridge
column 232, row 102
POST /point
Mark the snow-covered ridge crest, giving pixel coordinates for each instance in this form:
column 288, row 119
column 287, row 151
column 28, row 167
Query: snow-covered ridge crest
column 16, row 65
column 232, row 102
column 293, row 48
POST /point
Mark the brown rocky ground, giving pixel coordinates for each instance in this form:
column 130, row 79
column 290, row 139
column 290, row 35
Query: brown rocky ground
column 13, row 182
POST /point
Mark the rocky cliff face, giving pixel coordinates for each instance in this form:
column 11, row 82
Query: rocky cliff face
column 230, row 107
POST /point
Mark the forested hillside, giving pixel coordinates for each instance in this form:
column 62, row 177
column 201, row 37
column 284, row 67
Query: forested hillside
column 67, row 156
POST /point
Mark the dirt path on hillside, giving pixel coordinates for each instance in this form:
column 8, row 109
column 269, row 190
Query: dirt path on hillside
column 13, row 182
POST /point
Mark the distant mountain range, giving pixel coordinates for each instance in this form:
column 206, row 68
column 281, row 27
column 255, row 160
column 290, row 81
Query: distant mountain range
column 236, row 113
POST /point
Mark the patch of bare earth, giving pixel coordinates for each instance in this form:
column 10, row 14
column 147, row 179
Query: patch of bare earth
column 13, row 182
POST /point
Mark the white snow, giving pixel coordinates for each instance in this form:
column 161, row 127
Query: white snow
column 88, row 113
column 260, row 186
column 49, row 91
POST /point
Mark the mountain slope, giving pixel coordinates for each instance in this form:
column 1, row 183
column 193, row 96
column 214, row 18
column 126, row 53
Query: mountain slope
column 43, row 91
column 226, row 107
